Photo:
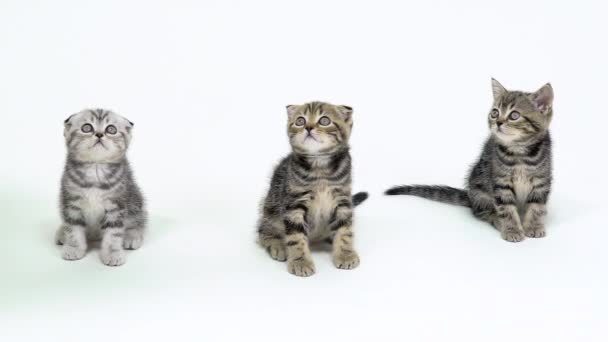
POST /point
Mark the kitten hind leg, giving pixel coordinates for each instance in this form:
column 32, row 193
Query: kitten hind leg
column 60, row 235
column 133, row 238
column 274, row 245
column 272, row 240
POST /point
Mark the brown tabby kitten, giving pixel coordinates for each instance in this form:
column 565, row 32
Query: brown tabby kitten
column 310, row 192
column 510, row 183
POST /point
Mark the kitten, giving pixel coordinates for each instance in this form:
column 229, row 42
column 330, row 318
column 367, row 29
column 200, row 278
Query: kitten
column 99, row 197
column 510, row 184
column 310, row 192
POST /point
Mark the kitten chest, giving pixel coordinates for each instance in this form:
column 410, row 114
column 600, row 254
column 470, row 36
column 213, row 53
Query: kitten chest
column 92, row 205
column 522, row 183
column 320, row 210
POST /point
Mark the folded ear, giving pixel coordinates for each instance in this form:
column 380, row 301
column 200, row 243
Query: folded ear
column 497, row 89
column 543, row 98
column 291, row 109
column 67, row 121
column 346, row 112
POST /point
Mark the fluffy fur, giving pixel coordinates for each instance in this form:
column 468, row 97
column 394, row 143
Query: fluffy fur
column 99, row 198
column 310, row 192
column 510, row 183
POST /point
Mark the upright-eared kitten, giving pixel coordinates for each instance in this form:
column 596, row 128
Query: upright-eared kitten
column 99, row 197
column 310, row 192
column 510, row 184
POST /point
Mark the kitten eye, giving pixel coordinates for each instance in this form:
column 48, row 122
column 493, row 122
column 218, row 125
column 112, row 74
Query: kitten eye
column 111, row 129
column 494, row 113
column 514, row 116
column 324, row 121
column 300, row 121
column 87, row 128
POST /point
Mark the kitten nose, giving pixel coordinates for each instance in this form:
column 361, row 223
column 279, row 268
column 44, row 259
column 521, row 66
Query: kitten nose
column 99, row 135
column 309, row 129
column 498, row 123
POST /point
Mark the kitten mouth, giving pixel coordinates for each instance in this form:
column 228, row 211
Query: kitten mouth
column 311, row 137
column 501, row 131
column 98, row 142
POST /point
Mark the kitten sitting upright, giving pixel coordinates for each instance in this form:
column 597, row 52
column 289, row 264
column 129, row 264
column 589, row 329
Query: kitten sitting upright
column 310, row 192
column 99, row 198
column 510, row 184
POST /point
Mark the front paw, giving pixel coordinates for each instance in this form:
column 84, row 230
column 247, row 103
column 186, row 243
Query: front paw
column 302, row 267
column 512, row 235
column 72, row 253
column 536, row 232
column 115, row 258
column 346, row 260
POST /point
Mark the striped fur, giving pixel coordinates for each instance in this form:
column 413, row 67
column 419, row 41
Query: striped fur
column 510, row 183
column 99, row 198
column 310, row 191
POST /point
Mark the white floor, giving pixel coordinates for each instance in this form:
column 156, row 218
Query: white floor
column 206, row 85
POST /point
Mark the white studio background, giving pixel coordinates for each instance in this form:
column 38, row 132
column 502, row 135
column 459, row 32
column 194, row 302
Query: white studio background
column 206, row 83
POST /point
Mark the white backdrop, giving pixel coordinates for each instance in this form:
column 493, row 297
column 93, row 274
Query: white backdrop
column 206, row 84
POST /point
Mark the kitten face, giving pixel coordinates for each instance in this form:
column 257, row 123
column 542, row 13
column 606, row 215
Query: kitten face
column 518, row 116
column 97, row 136
column 318, row 128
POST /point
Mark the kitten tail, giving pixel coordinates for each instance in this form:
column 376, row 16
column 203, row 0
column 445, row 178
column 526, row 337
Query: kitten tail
column 359, row 197
column 439, row 193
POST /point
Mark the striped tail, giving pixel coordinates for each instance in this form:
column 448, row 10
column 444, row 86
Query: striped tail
column 438, row 193
column 359, row 197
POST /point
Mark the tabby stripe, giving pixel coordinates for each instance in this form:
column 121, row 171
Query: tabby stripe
column 500, row 201
column 339, row 224
column 292, row 227
column 74, row 222
column 534, row 125
column 112, row 224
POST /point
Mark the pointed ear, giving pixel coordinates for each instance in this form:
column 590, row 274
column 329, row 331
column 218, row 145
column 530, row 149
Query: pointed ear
column 497, row 89
column 346, row 112
column 543, row 98
column 291, row 109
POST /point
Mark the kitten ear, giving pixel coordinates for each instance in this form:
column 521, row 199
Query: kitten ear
column 291, row 109
column 543, row 98
column 497, row 89
column 345, row 111
column 67, row 121
column 67, row 125
column 129, row 126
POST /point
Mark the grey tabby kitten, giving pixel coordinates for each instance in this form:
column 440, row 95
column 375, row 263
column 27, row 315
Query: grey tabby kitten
column 99, row 197
column 310, row 192
column 510, row 184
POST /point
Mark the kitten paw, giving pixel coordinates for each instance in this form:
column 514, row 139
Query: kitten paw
column 302, row 267
column 346, row 260
column 512, row 235
column 132, row 241
column 277, row 252
column 536, row 232
column 72, row 253
column 116, row 258
column 59, row 236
